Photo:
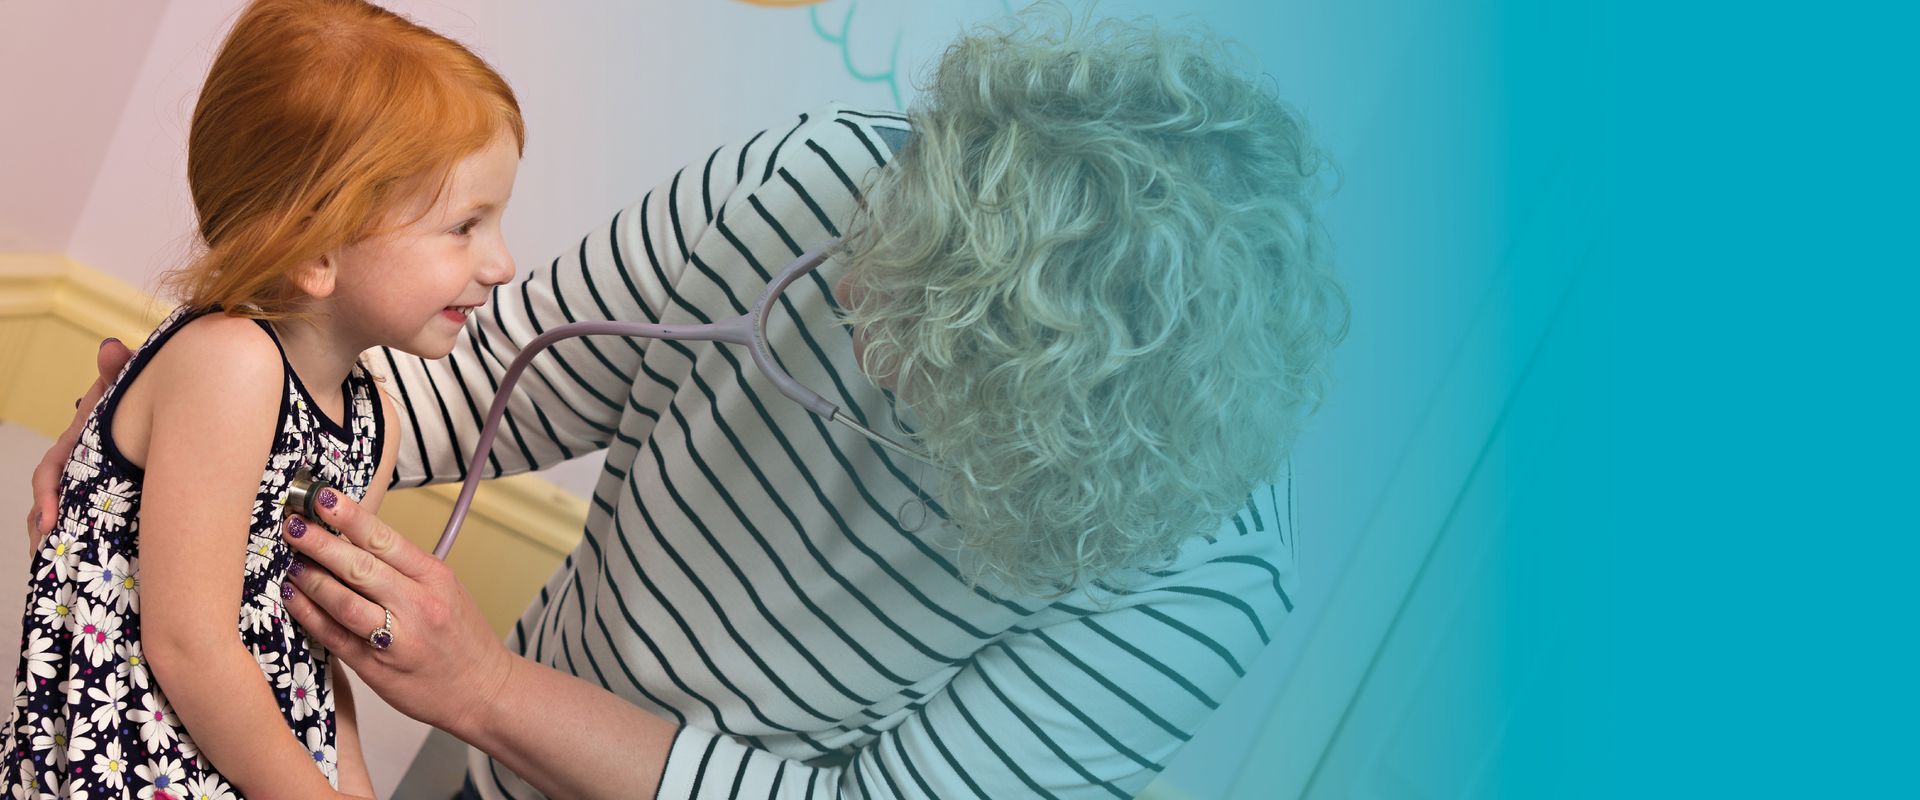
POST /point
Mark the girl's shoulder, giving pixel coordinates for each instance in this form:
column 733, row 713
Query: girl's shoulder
column 230, row 351
column 214, row 369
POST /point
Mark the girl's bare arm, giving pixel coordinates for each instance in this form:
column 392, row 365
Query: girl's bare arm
column 216, row 392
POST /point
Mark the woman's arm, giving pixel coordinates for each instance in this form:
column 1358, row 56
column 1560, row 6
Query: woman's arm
column 216, row 390
column 594, row 744
column 1092, row 706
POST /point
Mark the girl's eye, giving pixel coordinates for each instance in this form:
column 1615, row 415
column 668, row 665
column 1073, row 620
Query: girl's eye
column 466, row 227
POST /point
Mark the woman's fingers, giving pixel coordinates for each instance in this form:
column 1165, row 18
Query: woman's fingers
column 317, row 622
column 337, row 601
column 442, row 656
column 111, row 357
column 359, row 570
column 373, row 536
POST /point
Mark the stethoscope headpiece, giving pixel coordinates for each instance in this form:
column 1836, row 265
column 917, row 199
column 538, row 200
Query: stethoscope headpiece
column 302, row 491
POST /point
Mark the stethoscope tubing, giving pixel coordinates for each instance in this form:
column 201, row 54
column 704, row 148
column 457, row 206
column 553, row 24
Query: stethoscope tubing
column 747, row 330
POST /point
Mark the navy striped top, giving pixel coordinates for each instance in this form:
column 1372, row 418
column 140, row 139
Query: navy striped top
column 773, row 584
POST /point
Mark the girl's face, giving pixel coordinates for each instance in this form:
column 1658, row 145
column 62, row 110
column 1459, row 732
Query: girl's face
column 413, row 286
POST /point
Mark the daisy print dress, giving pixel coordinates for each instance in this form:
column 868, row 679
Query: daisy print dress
column 88, row 720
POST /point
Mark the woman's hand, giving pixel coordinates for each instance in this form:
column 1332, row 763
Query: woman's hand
column 444, row 662
column 46, row 477
column 567, row 737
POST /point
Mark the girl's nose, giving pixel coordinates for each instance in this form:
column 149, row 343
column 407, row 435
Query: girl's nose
column 498, row 270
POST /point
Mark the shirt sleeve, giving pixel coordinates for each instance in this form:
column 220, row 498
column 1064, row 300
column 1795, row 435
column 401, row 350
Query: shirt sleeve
column 1092, row 706
column 569, row 401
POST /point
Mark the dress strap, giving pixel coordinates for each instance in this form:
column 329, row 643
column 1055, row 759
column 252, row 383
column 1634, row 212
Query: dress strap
column 268, row 327
column 110, row 402
column 326, row 423
column 371, row 422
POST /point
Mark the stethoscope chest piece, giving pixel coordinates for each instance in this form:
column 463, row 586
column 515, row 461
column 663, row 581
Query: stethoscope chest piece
column 302, row 492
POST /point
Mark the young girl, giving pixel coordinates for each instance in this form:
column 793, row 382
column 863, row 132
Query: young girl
column 349, row 170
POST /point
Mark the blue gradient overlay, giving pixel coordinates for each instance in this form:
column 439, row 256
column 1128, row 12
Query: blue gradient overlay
column 1478, row 211
column 1612, row 410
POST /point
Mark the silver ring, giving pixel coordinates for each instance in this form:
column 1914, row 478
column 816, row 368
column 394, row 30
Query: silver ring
column 382, row 638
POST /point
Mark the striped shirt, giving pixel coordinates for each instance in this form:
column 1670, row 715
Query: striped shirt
column 774, row 585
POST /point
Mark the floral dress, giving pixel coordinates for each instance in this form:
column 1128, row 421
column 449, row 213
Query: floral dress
column 88, row 719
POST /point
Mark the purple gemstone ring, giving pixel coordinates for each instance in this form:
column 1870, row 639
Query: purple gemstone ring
column 382, row 638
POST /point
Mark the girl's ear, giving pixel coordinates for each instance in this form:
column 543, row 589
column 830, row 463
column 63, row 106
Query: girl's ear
column 316, row 278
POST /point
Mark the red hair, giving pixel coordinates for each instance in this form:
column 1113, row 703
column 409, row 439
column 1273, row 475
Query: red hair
column 318, row 118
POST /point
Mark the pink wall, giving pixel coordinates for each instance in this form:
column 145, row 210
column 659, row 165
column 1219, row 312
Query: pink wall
column 66, row 70
column 616, row 97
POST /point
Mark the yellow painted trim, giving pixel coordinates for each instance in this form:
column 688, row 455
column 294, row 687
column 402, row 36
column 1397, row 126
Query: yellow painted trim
column 527, row 506
column 53, row 313
column 52, row 284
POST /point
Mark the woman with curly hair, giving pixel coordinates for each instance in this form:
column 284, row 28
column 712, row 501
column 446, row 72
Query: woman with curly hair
column 1106, row 296
column 1083, row 277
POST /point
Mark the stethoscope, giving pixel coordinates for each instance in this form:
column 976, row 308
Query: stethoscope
column 749, row 330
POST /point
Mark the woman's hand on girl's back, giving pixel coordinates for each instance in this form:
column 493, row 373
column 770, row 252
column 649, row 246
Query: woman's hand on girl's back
column 46, row 476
